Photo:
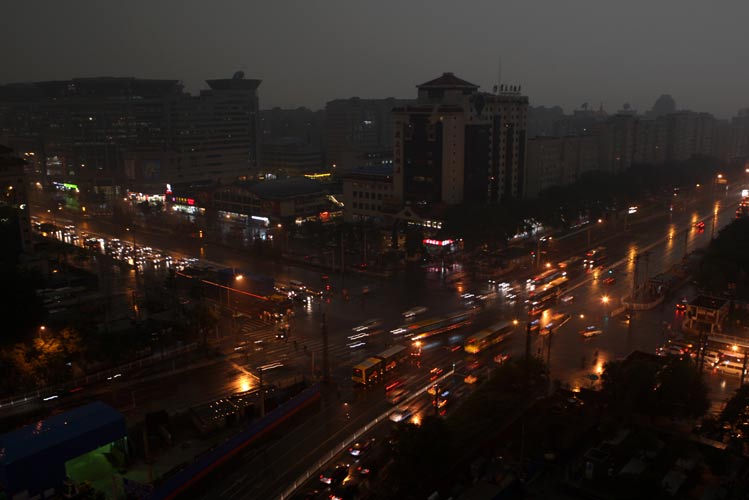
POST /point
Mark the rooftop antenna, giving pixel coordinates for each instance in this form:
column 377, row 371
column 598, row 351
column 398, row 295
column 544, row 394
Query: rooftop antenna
column 499, row 74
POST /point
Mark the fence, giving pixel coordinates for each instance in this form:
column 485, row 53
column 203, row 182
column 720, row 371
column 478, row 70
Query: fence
column 353, row 437
column 43, row 392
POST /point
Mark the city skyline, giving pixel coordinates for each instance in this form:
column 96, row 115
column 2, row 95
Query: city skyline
column 308, row 55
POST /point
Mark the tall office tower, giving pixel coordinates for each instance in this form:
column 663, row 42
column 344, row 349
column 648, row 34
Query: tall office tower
column 358, row 130
column 216, row 132
column 457, row 144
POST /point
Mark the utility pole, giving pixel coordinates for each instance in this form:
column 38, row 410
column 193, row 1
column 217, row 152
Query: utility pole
column 262, row 393
column 701, row 353
column 548, row 356
column 343, row 267
column 325, row 359
column 528, row 340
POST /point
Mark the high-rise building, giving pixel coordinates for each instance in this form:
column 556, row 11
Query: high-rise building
column 13, row 189
column 85, row 127
column 216, row 136
column 558, row 161
column 357, row 128
column 456, row 143
column 664, row 105
column 289, row 157
column 123, row 131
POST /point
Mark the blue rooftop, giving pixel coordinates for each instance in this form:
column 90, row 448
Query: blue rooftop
column 72, row 425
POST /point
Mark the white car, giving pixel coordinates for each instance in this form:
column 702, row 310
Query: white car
column 401, row 414
column 567, row 299
column 414, row 311
column 590, row 331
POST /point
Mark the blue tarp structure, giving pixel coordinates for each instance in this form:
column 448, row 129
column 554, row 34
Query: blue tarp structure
column 33, row 457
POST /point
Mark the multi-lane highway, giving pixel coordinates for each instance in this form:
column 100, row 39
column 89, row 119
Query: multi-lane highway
column 573, row 360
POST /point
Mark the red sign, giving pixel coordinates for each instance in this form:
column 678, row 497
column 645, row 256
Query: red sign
column 438, row 243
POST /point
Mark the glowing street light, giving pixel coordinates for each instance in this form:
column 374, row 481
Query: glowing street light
column 238, row 277
column 605, row 299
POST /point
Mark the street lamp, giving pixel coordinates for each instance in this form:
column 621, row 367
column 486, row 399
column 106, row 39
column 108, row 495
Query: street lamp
column 605, row 301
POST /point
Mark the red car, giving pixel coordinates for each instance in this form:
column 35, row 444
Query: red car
column 609, row 281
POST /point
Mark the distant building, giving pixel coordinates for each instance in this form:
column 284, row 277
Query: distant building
column 275, row 202
column 108, row 133
column 558, row 161
column 664, row 105
column 355, row 128
column 456, row 143
column 616, row 142
column 216, row 135
column 290, row 157
column 365, row 191
column 302, row 124
column 13, row 189
column 82, row 129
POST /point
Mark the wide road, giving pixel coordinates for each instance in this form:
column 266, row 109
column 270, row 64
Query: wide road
column 572, row 359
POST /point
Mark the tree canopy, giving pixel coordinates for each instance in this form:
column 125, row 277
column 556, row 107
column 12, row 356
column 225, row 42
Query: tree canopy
column 726, row 262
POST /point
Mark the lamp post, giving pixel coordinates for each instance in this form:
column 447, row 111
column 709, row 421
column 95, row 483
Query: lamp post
column 605, row 301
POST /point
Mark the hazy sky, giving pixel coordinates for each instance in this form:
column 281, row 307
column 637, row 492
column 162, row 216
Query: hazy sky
column 307, row 52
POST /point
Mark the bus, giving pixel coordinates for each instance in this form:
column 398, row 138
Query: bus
column 433, row 326
column 441, row 325
column 543, row 278
column 594, row 257
column 547, row 295
column 371, row 370
column 488, row 337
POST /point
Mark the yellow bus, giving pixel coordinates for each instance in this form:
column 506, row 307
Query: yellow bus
column 371, row 370
column 488, row 337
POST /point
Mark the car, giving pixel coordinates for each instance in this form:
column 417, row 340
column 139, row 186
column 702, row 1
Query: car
column 700, row 225
column 401, row 415
column 393, row 385
column 368, row 325
column 360, row 447
column 682, row 305
column 567, row 299
column 590, row 331
column 334, row 475
column 609, row 280
column 415, row 311
column 397, row 396
column 501, row 358
column 471, row 379
column 435, row 373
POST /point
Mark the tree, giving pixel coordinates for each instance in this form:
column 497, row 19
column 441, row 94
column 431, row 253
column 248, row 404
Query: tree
column 680, row 389
column 676, row 389
column 422, row 459
column 727, row 260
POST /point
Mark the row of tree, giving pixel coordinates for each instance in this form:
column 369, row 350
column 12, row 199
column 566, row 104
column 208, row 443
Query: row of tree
column 725, row 265
column 594, row 194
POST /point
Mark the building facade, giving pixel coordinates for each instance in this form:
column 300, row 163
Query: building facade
column 366, row 191
column 456, row 143
column 355, row 128
column 117, row 132
column 558, row 161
